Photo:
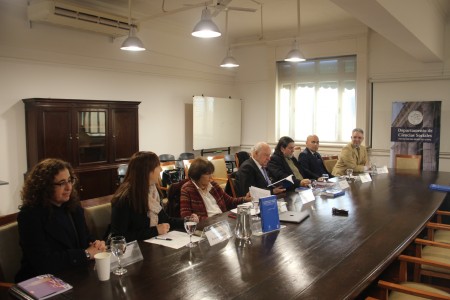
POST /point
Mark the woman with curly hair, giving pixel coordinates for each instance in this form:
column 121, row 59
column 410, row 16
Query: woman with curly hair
column 52, row 228
column 137, row 213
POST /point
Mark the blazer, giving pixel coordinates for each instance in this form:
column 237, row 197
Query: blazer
column 248, row 175
column 136, row 226
column 312, row 167
column 47, row 245
column 279, row 169
column 349, row 159
column 191, row 202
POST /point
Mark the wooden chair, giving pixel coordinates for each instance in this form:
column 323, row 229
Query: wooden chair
column 432, row 251
column 404, row 289
column 408, row 162
column 330, row 162
column 230, row 188
column 220, row 170
column 10, row 251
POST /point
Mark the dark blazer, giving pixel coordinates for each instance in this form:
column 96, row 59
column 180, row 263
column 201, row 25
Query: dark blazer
column 279, row 169
column 310, row 166
column 248, row 175
column 136, row 226
column 47, row 245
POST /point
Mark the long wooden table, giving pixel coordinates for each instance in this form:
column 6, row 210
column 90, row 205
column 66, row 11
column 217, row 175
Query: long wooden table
column 325, row 257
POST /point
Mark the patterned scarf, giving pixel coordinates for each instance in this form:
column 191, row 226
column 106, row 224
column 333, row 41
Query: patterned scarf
column 154, row 205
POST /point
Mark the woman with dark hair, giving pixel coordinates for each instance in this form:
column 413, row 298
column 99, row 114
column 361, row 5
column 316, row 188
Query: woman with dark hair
column 52, row 228
column 204, row 197
column 283, row 163
column 137, row 213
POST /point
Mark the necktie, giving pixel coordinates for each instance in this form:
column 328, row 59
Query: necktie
column 265, row 175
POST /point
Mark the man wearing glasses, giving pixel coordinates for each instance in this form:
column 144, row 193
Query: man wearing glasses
column 353, row 155
column 310, row 160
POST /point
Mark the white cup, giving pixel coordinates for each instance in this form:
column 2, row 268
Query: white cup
column 103, row 265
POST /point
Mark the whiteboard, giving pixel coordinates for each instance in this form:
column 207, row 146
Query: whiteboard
column 216, row 122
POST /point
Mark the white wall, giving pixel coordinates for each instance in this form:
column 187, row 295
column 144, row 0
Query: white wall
column 48, row 61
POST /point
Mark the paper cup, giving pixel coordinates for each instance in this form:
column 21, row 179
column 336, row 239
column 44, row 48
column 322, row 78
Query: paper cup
column 103, row 265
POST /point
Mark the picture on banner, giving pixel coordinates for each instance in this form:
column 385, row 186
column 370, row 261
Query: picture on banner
column 415, row 130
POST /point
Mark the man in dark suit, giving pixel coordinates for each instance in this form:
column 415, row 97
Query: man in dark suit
column 253, row 171
column 311, row 163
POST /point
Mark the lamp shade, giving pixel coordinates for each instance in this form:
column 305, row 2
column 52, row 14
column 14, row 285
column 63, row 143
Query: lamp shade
column 206, row 28
column 294, row 56
column 132, row 42
column 229, row 62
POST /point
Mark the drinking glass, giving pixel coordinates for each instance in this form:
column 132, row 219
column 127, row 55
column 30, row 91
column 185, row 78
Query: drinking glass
column 255, row 203
column 373, row 168
column 190, row 225
column 118, row 247
column 325, row 177
column 349, row 173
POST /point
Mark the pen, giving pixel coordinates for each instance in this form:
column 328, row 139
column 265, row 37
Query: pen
column 164, row 239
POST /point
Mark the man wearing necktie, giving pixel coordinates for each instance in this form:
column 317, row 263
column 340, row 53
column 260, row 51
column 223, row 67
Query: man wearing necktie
column 282, row 163
column 311, row 163
column 253, row 171
column 353, row 155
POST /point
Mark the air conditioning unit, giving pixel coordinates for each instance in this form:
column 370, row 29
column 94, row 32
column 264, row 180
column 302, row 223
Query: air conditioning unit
column 70, row 15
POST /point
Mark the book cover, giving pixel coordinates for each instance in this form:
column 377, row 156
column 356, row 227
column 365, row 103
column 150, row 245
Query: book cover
column 285, row 182
column 268, row 207
column 333, row 193
column 441, row 188
column 43, row 286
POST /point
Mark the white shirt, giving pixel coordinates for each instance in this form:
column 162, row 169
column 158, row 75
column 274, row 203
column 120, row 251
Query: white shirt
column 210, row 203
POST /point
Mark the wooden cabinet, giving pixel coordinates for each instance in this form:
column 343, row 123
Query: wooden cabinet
column 94, row 136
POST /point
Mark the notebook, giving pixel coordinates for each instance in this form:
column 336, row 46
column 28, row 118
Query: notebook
column 293, row 216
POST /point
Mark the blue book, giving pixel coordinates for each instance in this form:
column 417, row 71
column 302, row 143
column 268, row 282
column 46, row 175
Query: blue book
column 441, row 188
column 268, row 207
column 285, row 182
column 333, row 193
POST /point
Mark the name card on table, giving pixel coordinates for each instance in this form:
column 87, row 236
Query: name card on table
column 343, row 184
column 365, row 177
column 306, row 195
column 217, row 232
column 132, row 254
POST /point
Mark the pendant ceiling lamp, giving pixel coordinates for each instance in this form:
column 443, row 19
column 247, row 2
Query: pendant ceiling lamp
column 229, row 61
column 206, row 28
column 132, row 42
column 295, row 55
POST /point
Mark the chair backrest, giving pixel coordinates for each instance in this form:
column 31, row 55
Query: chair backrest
column 166, row 157
column 182, row 157
column 240, row 157
column 408, row 162
column 220, row 174
column 173, row 196
column 98, row 219
column 10, row 251
column 230, row 188
column 121, row 171
column 330, row 162
column 297, row 150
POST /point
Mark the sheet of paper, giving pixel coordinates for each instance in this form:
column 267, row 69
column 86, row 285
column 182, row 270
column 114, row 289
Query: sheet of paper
column 179, row 239
column 382, row 170
column 365, row 177
column 257, row 193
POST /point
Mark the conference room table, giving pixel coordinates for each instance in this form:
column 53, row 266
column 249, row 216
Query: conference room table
column 324, row 257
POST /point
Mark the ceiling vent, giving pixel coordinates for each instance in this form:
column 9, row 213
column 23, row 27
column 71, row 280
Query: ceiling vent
column 66, row 14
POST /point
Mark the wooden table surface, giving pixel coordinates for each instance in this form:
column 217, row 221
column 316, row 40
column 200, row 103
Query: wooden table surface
column 324, row 257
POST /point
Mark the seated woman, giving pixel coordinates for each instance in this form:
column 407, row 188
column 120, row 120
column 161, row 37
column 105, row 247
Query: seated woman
column 52, row 228
column 282, row 163
column 137, row 213
column 204, row 197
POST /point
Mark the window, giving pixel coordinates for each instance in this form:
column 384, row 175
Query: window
column 317, row 97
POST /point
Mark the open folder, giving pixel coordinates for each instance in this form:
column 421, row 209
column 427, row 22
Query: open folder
column 285, row 182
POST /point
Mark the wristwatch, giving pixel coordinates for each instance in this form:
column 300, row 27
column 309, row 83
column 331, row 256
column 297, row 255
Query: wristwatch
column 88, row 256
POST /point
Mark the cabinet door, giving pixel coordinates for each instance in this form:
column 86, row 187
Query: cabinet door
column 56, row 134
column 96, row 183
column 125, row 139
column 91, row 139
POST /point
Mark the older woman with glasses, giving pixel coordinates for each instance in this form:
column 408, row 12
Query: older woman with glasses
column 204, row 197
column 52, row 228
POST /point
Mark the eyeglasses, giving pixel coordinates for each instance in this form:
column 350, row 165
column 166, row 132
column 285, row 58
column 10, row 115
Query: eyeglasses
column 64, row 183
